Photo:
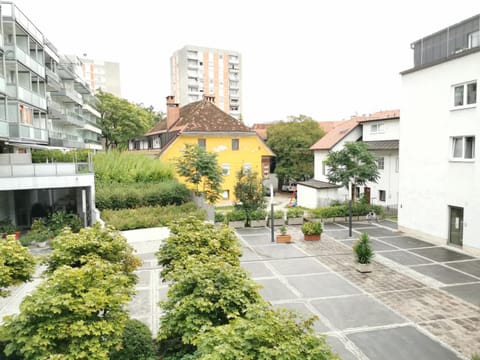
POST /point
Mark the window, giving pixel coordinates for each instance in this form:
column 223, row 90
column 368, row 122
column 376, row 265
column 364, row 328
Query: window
column 247, row 168
column 202, row 143
column 465, row 94
column 381, row 163
column 324, row 168
column 376, row 128
column 474, row 39
column 225, row 194
column 235, row 144
column 463, row 148
column 397, row 164
column 382, row 195
column 225, row 169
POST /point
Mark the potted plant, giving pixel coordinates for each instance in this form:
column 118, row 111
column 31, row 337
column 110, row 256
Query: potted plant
column 236, row 219
column 295, row 216
column 312, row 230
column 363, row 253
column 6, row 228
column 277, row 218
column 258, row 218
column 283, row 237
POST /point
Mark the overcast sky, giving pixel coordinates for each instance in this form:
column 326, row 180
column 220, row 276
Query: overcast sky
column 328, row 60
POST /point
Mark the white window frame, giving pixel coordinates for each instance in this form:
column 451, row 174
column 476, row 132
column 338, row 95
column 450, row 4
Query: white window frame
column 474, row 39
column 381, row 163
column 377, row 128
column 225, row 169
column 247, row 168
column 465, row 87
column 463, row 139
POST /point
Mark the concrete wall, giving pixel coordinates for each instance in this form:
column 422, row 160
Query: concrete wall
column 429, row 180
column 391, row 130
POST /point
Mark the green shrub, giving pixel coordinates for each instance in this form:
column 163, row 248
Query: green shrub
column 475, row 357
column 137, row 342
column 219, row 217
column 294, row 212
column 258, row 214
column 150, row 216
column 130, row 196
column 236, row 215
column 127, row 167
column 60, row 219
column 43, row 156
column 277, row 214
column 312, row 228
column 363, row 249
column 39, row 232
column 358, row 209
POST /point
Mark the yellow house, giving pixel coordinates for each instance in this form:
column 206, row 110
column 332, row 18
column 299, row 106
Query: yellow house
column 203, row 123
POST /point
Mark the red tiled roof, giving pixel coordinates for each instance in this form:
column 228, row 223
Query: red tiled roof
column 328, row 125
column 382, row 115
column 335, row 135
column 202, row 116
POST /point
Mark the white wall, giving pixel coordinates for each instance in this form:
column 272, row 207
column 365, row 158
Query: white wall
column 429, row 181
column 313, row 198
column 391, row 130
column 388, row 181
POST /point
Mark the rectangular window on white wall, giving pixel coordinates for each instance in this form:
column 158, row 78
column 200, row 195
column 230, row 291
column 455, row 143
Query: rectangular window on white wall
column 324, row 168
column 381, row 163
column 397, row 164
column 376, row 129
column 465, row 95
column 463, row 147
column 382, row 195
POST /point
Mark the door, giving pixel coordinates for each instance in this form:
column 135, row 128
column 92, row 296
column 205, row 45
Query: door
column 366, row 192
column 455, row 235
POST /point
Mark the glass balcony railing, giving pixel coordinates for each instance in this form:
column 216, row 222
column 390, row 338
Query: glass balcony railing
column 27, row 96
column 3, row 88
column 27, row 60
column 28, row 132
column 10, row 10
column 4, row 129
column 71, row 94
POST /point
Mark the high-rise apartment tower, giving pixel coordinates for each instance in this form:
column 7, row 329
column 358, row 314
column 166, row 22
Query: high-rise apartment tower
column 198, row 71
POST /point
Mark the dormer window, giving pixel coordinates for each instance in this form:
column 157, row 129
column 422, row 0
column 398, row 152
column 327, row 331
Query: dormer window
column 474, row 39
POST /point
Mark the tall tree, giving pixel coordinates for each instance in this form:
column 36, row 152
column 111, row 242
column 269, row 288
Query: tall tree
column 122, row 120
column 201, row 170
column 353, row 164
column 290, row 141
column 249, row 191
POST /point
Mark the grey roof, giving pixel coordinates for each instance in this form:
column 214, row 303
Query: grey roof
column 382, row 145
column 316, row 184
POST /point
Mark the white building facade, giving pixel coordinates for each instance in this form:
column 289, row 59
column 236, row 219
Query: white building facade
column 440, row 173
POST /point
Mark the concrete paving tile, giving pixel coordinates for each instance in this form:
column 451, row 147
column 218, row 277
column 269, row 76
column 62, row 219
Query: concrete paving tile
column 469, row 267
column 322, row 285
column 469, row 293
column 405, row 257
column 278, row 251
column 332, row 226
column 359, row 225
column 305, row 312
column 249, row 255
column 388, row 223
column 444, row 274
column 141, row 303
column 378, row 232
column 406, row 242
column 148, row 256
column 257, row 269
column 257, row 239
column 253, row 231
column 356, row 311
column 402, row 343
column 376, row 245
column 162, row 293
column 340, row 348
column 441, row 254
column 298, row 266
column 274, row 290
column 144, row 278
column 341, row 234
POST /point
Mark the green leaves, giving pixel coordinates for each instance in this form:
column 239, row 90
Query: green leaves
column 17, row 265
column 249, row 192
column 363, row 249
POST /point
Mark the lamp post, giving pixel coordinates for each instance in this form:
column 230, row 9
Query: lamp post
column 271, row 213
column 350, row 210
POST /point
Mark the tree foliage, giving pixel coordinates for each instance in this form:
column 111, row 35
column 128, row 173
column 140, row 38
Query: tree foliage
column 249, row 192
column 121, row 120
column 291, row 141
column 201, row 170
column 354, row 163
column 17, row 265
column 264, row 334
column 76, row 313
column 137, row 343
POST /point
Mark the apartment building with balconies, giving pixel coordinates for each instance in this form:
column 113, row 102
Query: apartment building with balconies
column 104, row 75
column 199, row 71
column 44, row 103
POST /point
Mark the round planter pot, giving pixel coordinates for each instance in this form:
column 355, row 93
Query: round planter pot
column 285, row 239
column 311, row 237
column 363, row 268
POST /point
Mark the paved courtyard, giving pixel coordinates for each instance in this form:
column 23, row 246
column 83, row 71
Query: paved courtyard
column 420, row 302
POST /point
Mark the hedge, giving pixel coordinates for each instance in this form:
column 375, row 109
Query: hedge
column 151, row 216
column 358, row 209
column 43, row 156
column 129, row 196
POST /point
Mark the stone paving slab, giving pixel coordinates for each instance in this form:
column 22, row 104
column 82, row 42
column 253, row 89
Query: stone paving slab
column 340, row 348
column 278, row 251
column 378, row 232
column 469, row 267
column 355, row 312
column 248, row 254
column 253, row 231
column 444, row 274
column 259, row 239
column 402, row 343
column 406, row 242
column 274, row 290
column 321, row 285
column 359, row 225
column 303, row 310
column 257, row 269
column 388, row 223
column 405, row 258
column 441, row 254
column 376, row 245
column 332, row 226
column 298, row 266
column 469, row 293
column 341, row 234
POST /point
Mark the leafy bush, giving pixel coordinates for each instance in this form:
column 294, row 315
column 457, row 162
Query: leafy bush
column 236, row 215
column 151, row 216
column 39, row 233
column 42, row 156
column 258, row 215
column 137, row 343
column 475, row 357
column 294, row 212
column 125, row 167
column 6, row 227
column 363, row 249
column 129, row 196
column 60, row 219
column 277, row 214
column 312, row 228
column 219, row 217
column 358, row 209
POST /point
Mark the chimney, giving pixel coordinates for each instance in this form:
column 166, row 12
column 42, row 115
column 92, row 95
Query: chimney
column 173, row 111
column 209, row 98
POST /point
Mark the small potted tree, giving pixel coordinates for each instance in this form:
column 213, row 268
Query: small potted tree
column 312, row 230
column 363, row 254
column 283, row 237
